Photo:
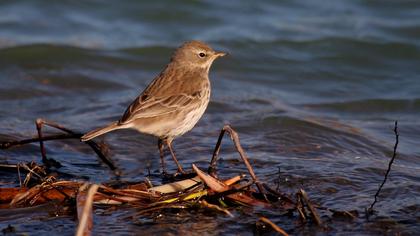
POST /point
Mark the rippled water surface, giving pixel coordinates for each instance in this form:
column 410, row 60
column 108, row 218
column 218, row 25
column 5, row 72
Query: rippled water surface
column 312, row 87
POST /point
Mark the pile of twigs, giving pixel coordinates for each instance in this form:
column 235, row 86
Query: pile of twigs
column 201, row 188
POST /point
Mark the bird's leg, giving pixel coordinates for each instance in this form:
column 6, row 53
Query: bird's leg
column 169, row 144
column 162, row 159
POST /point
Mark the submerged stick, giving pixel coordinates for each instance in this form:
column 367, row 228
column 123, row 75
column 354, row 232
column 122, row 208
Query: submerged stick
column 9, row 144
column 311, row 208
column 300, row 208
column 370, row 209
column 204, row 203
column 274, row 226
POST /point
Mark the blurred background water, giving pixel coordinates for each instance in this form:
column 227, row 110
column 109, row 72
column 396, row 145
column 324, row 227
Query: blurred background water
column 312, row 87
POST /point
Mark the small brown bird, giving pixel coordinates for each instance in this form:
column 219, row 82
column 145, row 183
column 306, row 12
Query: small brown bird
column 173, row 102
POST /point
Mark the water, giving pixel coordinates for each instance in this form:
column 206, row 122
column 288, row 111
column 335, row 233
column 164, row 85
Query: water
column 312, row 87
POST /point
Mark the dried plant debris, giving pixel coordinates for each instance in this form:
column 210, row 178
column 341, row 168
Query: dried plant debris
column 200, row 189
column 277, row 228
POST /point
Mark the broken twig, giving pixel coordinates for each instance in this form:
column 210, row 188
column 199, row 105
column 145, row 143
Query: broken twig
column 274, row 226
column 311, row 208
column 370, row 209
column 235, row 138
column 204, row 203
column 69, row 134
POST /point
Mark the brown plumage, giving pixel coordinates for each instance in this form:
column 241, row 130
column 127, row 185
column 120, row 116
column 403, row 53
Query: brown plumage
column 174, row 101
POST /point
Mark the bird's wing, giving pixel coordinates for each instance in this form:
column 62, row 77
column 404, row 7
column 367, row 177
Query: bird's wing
column 145, row 107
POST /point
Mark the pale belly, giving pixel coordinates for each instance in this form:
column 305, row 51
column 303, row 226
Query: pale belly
column 190, row 120
column 173, row 124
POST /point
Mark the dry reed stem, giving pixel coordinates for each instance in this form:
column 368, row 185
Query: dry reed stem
column 176, row 186
column 215, row 207
column 233, row 180
column 213, row 183
column 312, row 209
column 274, row 226
column 85, row 216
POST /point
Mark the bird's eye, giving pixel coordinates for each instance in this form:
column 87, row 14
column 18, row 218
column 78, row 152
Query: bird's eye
column 202, row 54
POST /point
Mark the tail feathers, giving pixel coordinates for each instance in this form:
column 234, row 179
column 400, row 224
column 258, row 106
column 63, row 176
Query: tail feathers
column 95, row 133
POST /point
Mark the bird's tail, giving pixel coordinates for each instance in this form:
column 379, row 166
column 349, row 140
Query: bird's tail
column 95, row 133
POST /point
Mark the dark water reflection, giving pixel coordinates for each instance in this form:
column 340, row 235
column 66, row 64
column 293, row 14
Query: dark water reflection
column 312, row 88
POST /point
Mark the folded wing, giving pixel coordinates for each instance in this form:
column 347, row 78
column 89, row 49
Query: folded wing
column 144, row 107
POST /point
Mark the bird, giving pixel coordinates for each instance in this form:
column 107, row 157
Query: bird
column 173, row 103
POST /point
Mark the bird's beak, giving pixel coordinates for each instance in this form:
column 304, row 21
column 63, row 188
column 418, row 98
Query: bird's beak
column 221, row 54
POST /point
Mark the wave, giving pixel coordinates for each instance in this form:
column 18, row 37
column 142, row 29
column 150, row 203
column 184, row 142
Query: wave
column 369, row 106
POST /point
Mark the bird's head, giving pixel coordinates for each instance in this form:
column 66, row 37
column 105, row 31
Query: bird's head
column 196, row 54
